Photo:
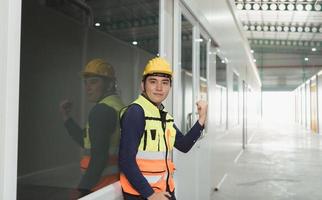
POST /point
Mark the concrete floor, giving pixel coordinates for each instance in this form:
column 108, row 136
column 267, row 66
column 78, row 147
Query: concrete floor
column 281, row 162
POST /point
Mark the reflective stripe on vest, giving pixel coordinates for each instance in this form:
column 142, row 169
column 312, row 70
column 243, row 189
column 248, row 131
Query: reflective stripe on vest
column 155, row 149
column 111, row 171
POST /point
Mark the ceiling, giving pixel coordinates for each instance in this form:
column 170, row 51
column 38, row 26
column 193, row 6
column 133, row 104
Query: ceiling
column 133, row 22
column 286, row 39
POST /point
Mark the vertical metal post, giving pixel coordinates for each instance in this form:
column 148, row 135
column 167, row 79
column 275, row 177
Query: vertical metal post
column 244, row 116
column 317, row 105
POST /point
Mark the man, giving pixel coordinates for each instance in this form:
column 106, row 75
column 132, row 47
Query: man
column 148, row 136
column 101, row 135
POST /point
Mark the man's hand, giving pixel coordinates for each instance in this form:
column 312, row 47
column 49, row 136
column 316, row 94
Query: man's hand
column 202, row 111
column 65, row 107
column 160, row 196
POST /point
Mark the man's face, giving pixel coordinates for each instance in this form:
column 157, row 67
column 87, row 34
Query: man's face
column 95, row 88
column 156, row 88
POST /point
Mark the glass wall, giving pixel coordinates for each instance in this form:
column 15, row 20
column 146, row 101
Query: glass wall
column 308, row 105
column 56, row 103
column 235, row 98
column 203, row 86
column 186, row 73
column 319, row 88
column 314, row 106
column 303, row 105
column 221, row 92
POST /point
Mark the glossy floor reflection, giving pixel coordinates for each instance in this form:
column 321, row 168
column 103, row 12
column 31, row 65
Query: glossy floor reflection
column 281, row 162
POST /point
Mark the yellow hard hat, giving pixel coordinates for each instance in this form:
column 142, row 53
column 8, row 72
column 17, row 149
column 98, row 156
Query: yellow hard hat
column 157, row 65
column 98, row 67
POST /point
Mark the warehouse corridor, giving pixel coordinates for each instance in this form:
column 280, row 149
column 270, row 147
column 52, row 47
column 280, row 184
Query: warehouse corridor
column 281, row 162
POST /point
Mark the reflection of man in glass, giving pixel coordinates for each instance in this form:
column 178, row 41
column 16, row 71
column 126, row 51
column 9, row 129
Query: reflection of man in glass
column 101, row 135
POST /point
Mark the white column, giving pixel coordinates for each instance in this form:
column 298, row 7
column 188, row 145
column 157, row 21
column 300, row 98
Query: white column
column 10, row 20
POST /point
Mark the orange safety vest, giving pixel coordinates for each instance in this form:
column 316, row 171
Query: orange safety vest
column 154, row 156
column 110, row 173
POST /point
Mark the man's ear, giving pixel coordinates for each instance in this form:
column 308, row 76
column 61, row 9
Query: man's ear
column 142, row 86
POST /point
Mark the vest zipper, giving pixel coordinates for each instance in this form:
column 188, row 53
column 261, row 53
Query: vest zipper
column 163, row 122
column 145, row 139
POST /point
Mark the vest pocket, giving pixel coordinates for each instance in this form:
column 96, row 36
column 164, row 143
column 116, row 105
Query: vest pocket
column 153, row 133
column 157, row 180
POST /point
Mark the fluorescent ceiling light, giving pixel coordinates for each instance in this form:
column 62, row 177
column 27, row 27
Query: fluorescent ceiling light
column 293, row 29
column 279, row 28
column 272, row 28
column 299, row 29
column 308, row 7
column 256, row 6
column 248, row 6
column 240, row 6
column 273, row 6
column 258, row 28
column 290, row 7
column 134, row 42
column 306, row 59
column 317, row 7
column 264, row 6
column 313, row 49
column 252, row 51
column 307, row 29
column 299, row 7
column 265, row 28
column 282, row 6
column 97, row 24
column 286, row 29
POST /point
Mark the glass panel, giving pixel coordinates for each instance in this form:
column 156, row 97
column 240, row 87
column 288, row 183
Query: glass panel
column 319, row 86
column 308, row 105
column 221, row 72
column 314, row 119
column 236, row 98
column 224, row 106
column 58, row 39
column 303, row 106
column 186, row 73
column 203, row 69
column 221, row 78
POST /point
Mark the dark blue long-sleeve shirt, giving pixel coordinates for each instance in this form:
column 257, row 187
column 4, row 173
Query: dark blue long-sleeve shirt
column 132, row 129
